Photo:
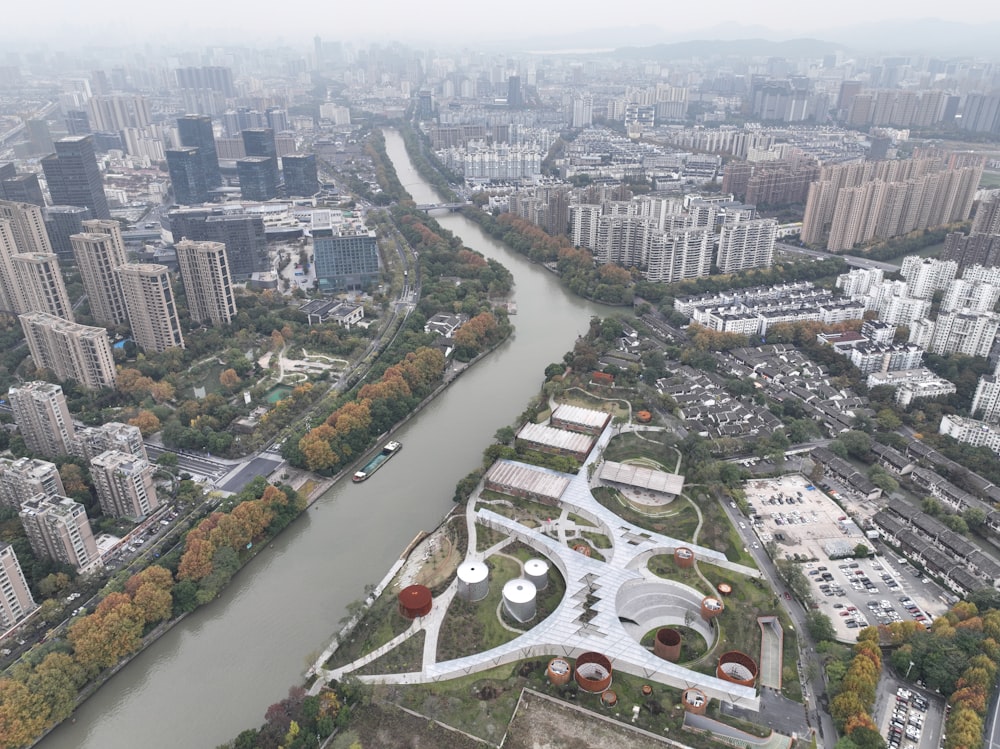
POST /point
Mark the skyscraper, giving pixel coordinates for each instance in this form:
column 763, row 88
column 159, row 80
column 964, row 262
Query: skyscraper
column 152, row 308
column 15, row 597
column 208, row 287
column 258, row 177
column 22, row 188
column 41, row 282
column 124, row 485
column 58, row 529
column 514, row 98
column 98, row 256
column 11, row 298
column 259, row 141
column 73, row 176
column 241, row 233
column 62, row 222
column 71, row 351
column 187, row 175
column 301, row 175
column 42, row 415
column 195, row 131
column 78, row 122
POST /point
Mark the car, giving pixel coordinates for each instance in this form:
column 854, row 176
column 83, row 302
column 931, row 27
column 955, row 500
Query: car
column 845, row 613
column 851, row 624
column 788, row 596
column 838, row 605
column 813, row 572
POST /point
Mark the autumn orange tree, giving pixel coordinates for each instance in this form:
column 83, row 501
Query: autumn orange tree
column 350, row 429
column 851, row 706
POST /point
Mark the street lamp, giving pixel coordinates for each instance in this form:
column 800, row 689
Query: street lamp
column 908, row 670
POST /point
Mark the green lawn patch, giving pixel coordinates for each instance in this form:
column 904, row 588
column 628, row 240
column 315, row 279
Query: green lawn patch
column 678, row 519
column 693, row 645
column 406, row 657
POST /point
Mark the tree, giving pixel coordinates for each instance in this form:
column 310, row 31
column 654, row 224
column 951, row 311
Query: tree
column 147, row 422
column 861, row 551
column 820, row 627
column 23, row 713
column 229, row 379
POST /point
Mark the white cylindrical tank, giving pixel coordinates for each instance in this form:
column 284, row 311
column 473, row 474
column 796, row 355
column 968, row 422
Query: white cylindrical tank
column 537, row 570
column 519, row 599
column 473, row 581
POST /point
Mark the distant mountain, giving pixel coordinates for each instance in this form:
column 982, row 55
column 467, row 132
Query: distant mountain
column 791, row 48
column 920, row 36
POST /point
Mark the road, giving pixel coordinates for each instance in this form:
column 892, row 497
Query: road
column 852, row 260
column 992, row 735
column 812, row 689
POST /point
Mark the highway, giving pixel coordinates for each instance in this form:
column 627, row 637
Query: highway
column 992, row 734
column 852, row 260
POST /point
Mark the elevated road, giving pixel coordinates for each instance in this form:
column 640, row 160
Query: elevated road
column 852, row 260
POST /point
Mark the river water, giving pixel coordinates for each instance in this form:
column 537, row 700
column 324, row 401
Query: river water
column 216, row 673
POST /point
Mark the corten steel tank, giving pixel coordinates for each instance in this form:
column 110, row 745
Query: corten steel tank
column 737, row 667
column 593, row 672
column 667, row 644
column 414, row 601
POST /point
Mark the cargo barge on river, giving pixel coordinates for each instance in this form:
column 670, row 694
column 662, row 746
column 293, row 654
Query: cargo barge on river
column 390, row 449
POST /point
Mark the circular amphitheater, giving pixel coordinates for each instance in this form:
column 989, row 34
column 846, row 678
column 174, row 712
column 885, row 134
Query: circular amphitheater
column 645, row 605
column 737, row 667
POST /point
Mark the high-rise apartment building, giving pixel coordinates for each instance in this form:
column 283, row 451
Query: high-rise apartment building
column 241, row 233
column 27, row 225
column 11, row 296
column 16, row 601
column 152, row 308
column 42, row 415
column 195, row 131
column 957, row 333
column 123, row 438
column 115, row 112
column 73, row 176
column 124, row 485
column 98, row 256
column 924, row 276
column 69, row 350
column 41, row 282
column 209, row 77
column 187, row 175
column 301, row 175
column 22, row 479
column 678, row 255
column 747, row 244
column 986, row 401
column 58, row 529
column 987, row 219
column 78, row 122
column 208, row 287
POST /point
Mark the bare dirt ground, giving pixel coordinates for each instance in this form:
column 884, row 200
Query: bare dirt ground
column 541, row 724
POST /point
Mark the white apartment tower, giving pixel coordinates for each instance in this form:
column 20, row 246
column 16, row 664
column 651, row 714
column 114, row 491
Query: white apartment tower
column 924, row 276
column 208, row 287
column 124, row 485
column 98, row 257
column 42, row 415
column 58, row 528
column 41, row 282
column 69, row 350
column 152, row 308
column 747, row 244
column 16, row 601
column 22, row 479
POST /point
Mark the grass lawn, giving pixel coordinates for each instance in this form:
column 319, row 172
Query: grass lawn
column 204, row 375
column 678, row 520
column 486, row 537
column 597, row 540
column 472, row 628
column 407, row 656
column 628, row 446
column 594, row 553
column 380, row 624
column 693, row 645
column 718, row 533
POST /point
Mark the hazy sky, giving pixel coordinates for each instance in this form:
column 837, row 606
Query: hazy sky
column 116, row 21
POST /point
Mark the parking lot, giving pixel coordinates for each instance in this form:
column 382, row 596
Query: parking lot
column 909, row 718
column 807, row 524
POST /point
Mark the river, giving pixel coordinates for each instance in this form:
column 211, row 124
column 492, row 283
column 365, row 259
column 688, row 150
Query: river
column 216, row 673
